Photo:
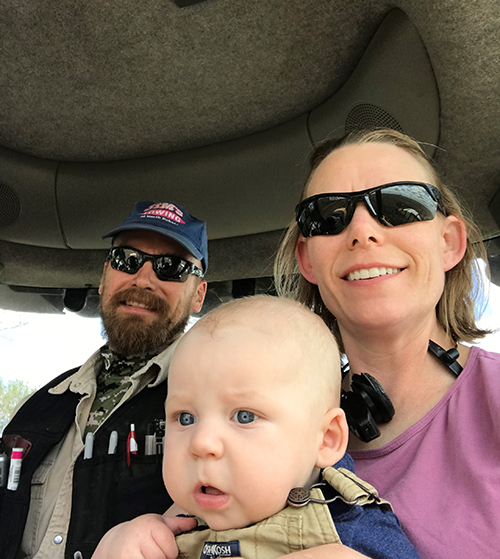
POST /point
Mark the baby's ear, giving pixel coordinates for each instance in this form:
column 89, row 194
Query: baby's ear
column 335, row 435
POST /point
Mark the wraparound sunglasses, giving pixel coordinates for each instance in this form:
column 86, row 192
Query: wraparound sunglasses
column 166, row 267
column 393, row 204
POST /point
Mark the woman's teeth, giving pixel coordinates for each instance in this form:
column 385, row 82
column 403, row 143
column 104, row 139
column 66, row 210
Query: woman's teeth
column 371, row 273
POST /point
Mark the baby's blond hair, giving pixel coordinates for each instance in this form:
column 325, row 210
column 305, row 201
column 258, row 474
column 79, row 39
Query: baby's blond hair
column 294, row 329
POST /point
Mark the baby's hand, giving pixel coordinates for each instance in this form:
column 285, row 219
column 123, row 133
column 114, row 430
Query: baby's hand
column 150, row 536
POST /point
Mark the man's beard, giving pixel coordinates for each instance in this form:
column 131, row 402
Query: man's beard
column 132, row 335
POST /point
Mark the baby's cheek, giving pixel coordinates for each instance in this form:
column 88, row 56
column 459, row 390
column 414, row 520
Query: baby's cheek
column 168, row 469
column 174, row 478
column 267, row 502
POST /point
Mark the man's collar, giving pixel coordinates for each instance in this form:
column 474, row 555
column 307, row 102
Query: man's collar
column 116, row 361
column 79, row 381
column 162, row 361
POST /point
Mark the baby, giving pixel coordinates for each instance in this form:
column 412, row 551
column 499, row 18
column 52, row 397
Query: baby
column 253, row 412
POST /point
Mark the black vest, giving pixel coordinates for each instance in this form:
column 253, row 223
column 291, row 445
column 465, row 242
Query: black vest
column 106, row 491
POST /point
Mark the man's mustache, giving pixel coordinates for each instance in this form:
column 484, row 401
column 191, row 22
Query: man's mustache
column 135, row 295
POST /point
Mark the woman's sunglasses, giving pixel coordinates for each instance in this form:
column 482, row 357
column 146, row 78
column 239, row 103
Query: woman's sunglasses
column 393, row 204
column 166, row 267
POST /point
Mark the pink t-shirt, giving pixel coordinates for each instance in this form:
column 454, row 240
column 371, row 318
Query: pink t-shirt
column 442, row 475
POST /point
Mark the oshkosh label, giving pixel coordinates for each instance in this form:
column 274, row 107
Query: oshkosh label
column 214, row 550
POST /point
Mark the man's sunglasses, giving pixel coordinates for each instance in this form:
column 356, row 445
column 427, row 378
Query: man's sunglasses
column 393, row 204
column 166, row 267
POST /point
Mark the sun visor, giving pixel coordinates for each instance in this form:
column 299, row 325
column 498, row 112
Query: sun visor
column 241, row 187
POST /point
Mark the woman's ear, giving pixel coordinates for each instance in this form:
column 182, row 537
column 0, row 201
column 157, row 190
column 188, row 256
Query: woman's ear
column 454, row 241
column 334, row 439
column 305, row 266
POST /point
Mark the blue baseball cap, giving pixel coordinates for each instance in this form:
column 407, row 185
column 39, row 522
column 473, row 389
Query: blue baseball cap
column 171, row 220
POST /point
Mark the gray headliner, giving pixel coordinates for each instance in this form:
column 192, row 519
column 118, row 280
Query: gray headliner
column 216, row 106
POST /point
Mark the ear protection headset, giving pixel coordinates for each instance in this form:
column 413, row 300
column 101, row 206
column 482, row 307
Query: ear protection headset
column 367, row 404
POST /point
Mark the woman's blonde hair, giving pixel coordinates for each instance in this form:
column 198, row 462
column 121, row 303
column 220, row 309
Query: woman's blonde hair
column 463, row 283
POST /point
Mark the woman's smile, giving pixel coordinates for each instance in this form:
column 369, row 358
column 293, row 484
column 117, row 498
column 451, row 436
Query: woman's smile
column 370, row 273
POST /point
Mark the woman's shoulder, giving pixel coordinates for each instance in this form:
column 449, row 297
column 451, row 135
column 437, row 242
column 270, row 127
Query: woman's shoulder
column 483, row 361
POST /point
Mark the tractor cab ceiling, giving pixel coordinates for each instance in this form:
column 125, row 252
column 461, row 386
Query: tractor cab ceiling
column 216, row 105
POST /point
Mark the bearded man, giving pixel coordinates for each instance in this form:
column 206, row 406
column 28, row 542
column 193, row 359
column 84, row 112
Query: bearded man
column 92, row 437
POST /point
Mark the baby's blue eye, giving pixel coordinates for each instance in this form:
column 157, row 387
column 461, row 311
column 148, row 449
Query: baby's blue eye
column 186, row 418
column 244, row 416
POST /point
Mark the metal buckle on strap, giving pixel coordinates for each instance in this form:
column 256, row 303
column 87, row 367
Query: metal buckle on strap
column 301, row 496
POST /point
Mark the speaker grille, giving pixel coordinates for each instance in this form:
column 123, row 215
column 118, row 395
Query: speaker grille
column 365, row 115
column 10, row 208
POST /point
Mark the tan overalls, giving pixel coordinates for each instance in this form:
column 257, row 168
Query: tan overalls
column 292, row 529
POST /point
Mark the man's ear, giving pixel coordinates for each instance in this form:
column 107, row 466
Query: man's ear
column 305, row 266
column 102, row 277
column 454, row 241
column 335, row 436
column 199, row 296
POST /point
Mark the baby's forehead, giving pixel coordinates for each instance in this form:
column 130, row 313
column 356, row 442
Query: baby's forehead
column 250, row 334
column 273, row 321
column 277, row 322
column 270, row 348
column 253, row 343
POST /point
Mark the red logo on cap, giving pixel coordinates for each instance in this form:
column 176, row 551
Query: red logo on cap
column 165, row 210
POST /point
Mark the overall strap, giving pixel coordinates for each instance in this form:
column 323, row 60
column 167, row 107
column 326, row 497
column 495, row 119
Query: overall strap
column 352, row 489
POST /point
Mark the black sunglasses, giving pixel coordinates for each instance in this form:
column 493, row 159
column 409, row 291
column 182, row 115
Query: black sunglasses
column 393, row 204
column 166, row 266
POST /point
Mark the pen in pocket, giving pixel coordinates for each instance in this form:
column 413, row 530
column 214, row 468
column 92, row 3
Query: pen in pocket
column 113, row 442
column 150, row 440
column 89, row 446
column 132, row 447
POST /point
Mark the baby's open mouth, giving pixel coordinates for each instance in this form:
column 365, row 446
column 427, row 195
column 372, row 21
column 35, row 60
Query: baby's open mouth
column 209, row 490
column 209, row 497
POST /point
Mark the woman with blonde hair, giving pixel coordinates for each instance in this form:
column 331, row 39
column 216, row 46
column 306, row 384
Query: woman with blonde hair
column 383, row 252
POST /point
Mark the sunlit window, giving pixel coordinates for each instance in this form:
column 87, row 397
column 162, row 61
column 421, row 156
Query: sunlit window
column 488, row 314
column 37, row 347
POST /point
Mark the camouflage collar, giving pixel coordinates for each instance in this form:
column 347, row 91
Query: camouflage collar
column 115, row 362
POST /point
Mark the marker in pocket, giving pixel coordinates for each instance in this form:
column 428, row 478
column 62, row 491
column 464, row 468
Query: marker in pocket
column 16, row 460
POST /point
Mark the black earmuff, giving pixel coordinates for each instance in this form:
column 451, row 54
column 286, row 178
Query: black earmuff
column 448, row 358
column 367, row 405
